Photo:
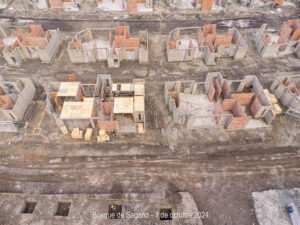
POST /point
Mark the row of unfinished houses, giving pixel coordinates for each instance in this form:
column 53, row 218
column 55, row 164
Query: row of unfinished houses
column 115, row 45
column 186, row 44
column 146, row 6
column 65, row 5
column 120, row 107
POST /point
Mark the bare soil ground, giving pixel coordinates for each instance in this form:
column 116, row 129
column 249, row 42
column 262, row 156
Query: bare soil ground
column 220, row 168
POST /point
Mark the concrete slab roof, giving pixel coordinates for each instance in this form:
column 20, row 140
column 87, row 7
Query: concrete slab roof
column 78, row 110
column 123, row 87
column 139, row 103
column 123, row 105
column 139, row 89
column 68, row 89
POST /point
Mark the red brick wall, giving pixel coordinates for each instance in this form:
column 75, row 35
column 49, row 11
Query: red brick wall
column 218, row 110
column 200, row 36
column 255, row 106
column 228, row 104
column 237, row 110
column 218, row 89
column 72, row 77
column 174, row 95
column 226, row 89
column 55, row 4
column 296, row 91
column 108, row 125
column 132, row 7
column 6, row 102
column 211, row 92
column 79, row 95
column 243, row 98
column 296, row 35
column 106, row 107
column 237, row 122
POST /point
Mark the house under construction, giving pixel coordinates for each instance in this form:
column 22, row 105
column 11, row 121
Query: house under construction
column 132, row 6
column 108, row 44
column 66, row 5
column 15, row 98
column 257, row 3
column 104, row 105
column 203, row 5
column 29, row 43
column 285, row 42
column 287, row 90
column 233, row 104
column 4, row 3
column 186, row 44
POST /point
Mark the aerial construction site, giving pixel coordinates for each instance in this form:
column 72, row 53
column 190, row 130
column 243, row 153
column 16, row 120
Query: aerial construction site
column 183, row 112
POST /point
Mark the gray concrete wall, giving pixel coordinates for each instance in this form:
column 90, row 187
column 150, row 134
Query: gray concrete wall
column 47, row 55
column 297, row 53
column 175, row 55
column 8, row 55
column 24, row 99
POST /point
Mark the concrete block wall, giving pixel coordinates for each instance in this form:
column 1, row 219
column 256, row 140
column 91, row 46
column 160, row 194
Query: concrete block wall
column 46, row 55
column 286, row 97
column 175, row 55
column 143, row 56
column 24, row 99
column 295, row 103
